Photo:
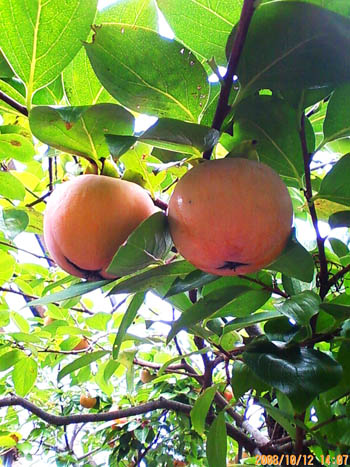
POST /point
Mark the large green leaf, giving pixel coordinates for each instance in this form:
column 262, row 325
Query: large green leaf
column 11, row 187
column 148, row 244
column 70, row 292
column 13, row 222
column 180, row 136
column 80, row 363
column 302, row 307
column 15, row 146
column 153, row 278
column 272, row 123
column 337, row 122
column 335, row 186
column 240, row 323
column 209, row 305
column 339, row 219
column 244, row 379
column 127, row 320
column 201, row 408
column 7, row 88
column 24, row 375
column 294, row 261
column 160, row 78
column 294, row 46
column 193, row 280
column 5, row 69
column 80, row 130
column 299, row 373
column 39, row 38
column 201, row 25
column 81, row 84
column 217, row 442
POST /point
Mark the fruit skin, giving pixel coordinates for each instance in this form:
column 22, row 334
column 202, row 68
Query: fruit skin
column 88, row 402
column 48, row 320
column 228, row 395
column 83, row 344
column 145, row 376
column 230, row 216
column 88, row 218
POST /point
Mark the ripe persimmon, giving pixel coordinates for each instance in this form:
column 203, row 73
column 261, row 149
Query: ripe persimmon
column 228, row 395
column 230, row 216
column 88, row 218
column 83, row 344
column 145, row 376
column 88, row 402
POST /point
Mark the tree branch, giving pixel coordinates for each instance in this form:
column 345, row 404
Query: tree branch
column 223, row 108
column 323, row 276
column 14, row 104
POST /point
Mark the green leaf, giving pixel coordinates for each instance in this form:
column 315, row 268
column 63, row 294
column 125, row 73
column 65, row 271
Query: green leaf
column 127, row 320
column 24, row 375
column 243, row 380
column 294, row 261
column 8, row 359
column 5, row 69
column 8, row 87
column 287, row 422
column 21, row 323
column 119, row 144
column 180, row 136
column 339, row 219
column 193, row 280
column 339, row 248
column 216, row 20
column 148, row 244
column 335, row 186
column 25, row 337
column 11, row 187
column 14, row 146
column 294, row 46
column 240, row 323
column 48, row 38
column 169, row 83
column 217, row 442
column 98, row 321
column 74, row 291
column 272, row 124
column 302, row 307
column 13, row 222
column 299, row 373
column 81, row 84
column 206, row 307
column 152, row 278
column 7, row 266
column 337, row 122
column 80, row 363
column 80, row 130
column 281, row 330
column 200, row 409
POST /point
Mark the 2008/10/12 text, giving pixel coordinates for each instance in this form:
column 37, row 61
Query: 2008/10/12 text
column 301, row 459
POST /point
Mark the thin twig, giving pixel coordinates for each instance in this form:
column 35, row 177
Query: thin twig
column 14, row 104
column 223, row 108
column 15, row 247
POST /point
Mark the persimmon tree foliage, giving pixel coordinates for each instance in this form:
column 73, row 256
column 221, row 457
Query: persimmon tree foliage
column 184, row 367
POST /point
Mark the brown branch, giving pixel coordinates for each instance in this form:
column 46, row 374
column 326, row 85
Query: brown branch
column 323, row 275
column 223, row 108
column 338, row 276
column 64, row 420
column 274, row 290
column 39, row 200
column 14, row 104
column 160, row 204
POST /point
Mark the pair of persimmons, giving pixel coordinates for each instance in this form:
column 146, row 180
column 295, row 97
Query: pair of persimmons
column 227, row 217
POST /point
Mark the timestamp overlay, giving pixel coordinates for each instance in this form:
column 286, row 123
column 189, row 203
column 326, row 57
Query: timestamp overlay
column 301, row 459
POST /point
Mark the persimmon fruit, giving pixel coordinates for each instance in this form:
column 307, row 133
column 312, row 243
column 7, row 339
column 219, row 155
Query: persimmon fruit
column 88, row 402
column 145, row 376
column 228, row 395
column 230, row 216
column 88, row 218
column 82, row 345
